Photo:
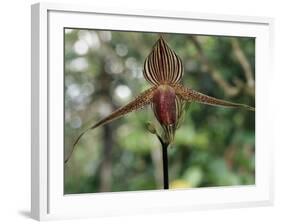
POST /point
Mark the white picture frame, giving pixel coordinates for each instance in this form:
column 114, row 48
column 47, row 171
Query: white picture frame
column 48, row 201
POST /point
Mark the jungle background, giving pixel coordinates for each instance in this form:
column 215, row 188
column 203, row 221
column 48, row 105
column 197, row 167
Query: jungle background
column 214, row 146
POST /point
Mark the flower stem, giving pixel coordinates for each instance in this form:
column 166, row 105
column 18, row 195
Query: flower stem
column 165, row 163
column 165, row 166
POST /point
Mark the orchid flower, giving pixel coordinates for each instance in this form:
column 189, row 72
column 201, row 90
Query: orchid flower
column 163, row 69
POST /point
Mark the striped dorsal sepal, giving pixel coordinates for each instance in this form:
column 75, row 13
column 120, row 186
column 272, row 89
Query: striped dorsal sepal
column 162, row 66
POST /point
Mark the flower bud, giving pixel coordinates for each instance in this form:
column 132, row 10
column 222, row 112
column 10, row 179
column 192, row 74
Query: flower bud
column 151, row 127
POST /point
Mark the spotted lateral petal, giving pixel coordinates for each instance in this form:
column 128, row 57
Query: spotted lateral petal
column 162, row 65
column 142, row 100
column 194, row 96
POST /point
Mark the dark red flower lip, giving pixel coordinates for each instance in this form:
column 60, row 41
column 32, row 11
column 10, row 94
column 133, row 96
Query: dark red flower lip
column 164, row 105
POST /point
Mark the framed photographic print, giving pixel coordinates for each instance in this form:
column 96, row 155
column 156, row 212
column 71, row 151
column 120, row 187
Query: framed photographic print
column 148, row 111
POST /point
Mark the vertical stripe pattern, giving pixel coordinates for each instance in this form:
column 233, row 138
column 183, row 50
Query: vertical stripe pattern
column 162, row 66
column 180, row 110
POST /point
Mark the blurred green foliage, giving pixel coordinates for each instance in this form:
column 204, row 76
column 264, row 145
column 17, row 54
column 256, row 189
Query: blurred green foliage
column 103, row 71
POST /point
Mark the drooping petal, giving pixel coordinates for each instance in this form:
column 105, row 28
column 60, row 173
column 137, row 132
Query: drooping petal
column 194, row 96
column 142, row 100
column 162, row 65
